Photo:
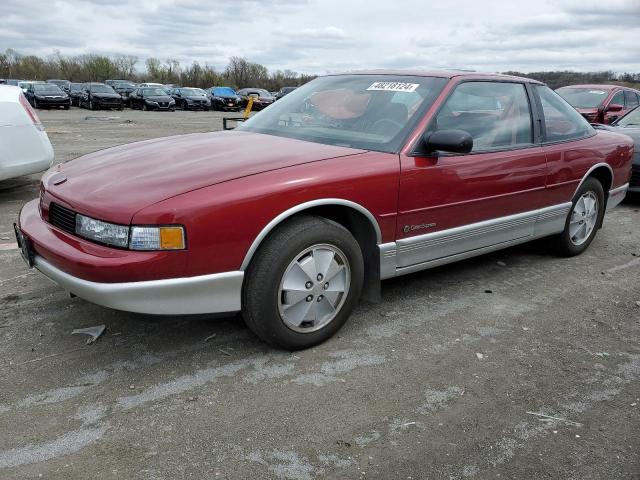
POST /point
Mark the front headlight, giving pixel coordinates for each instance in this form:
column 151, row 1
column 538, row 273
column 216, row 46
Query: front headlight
column 135, row 238
column 103, row 232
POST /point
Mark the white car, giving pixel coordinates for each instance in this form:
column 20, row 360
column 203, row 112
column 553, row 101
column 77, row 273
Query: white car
column 24, row 145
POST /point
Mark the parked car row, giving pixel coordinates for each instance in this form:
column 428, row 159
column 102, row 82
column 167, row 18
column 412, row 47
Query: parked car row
column 185, row 98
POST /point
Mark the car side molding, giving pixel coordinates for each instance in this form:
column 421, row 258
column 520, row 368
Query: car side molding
column 305, row 206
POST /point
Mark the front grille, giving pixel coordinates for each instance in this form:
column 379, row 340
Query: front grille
column 62, row 217
column 635, row 176
column 162, row 104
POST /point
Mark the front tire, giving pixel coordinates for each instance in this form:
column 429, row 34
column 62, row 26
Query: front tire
column 303, row 283
column 584, row 219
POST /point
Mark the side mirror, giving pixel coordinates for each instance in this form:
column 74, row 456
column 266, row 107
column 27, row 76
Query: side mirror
column 454, row 141
column 614, row 107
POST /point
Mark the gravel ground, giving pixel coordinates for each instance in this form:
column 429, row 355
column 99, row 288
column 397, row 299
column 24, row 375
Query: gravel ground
column 441, row 380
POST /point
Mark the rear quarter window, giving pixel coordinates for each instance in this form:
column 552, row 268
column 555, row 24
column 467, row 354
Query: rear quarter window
column 561, row 121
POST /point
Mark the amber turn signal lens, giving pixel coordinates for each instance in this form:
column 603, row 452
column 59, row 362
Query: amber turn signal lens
column 171, row 238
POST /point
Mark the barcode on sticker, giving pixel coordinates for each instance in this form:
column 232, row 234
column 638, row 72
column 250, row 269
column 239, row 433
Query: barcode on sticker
column 394, row 86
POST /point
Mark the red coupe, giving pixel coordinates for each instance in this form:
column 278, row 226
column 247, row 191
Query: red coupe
column 305, row 208
column 601, row 103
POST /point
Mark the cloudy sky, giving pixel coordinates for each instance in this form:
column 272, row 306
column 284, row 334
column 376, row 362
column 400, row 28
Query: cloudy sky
column 317, row 36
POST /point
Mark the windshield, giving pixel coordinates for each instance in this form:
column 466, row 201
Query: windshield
column 75, row 87
column 224, row 92
column 373, row 112
column 632, row 119
column 47, row 88
column 124, row 85
column 101, row 89
column 153, row 92
column 583, row 97
column 194, row 92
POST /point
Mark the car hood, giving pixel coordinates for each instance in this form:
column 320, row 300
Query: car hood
column 116, row 183
column 196, row 97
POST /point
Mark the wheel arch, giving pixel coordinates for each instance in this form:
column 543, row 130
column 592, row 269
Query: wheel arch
column 354, row 217
column 601, row 172
column 604, row 174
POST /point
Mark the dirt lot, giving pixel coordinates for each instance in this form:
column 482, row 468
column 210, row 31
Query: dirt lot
column 439, row 381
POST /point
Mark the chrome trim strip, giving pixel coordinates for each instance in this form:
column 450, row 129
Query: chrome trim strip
column 387, row 260
column 446, row 246
column 444, row 243
column 551, row 220
column 304, row 206
column 597, row 165
column 616, row 196
column 216, row 293
column 460, row 256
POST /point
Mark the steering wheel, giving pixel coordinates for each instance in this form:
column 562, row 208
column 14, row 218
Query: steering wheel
column 378, row 125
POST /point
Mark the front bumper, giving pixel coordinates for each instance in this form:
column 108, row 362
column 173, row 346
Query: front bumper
column 216, row 293
column 56, row 254
column 53, row 102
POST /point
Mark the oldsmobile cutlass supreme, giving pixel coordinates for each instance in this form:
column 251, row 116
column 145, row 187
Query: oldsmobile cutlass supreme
column 305, row 208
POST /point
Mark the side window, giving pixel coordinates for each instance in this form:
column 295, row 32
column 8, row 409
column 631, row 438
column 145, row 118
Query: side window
column 495, row 114
column 618, row 98
column 562, row 121
column 631, row 98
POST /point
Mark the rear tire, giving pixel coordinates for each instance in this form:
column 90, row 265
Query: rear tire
column 583, row 221
column 303, row 283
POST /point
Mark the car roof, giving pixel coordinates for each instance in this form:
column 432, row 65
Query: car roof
column 442, row 74
column 9, row 93
column 594, row 85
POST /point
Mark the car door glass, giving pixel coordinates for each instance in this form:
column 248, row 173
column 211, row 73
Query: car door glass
column 618, row 99
column 561, row 120
column 495, row 114
column 631, row 99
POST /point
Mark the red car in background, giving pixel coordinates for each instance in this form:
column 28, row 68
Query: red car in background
column 601, row 103
column 305, row 208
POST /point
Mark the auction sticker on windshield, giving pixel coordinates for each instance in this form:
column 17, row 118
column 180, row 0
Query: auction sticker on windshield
column 394, row 86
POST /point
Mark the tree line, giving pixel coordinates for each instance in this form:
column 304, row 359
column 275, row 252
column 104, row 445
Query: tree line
column 557, row 79
column 239, row 72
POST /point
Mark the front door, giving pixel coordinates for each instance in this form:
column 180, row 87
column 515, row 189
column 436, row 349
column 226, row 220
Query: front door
column 455, row 203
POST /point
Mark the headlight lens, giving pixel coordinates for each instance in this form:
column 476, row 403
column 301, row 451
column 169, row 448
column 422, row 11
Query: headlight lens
column 134, row 238
column 157, row 238
column 103, row 232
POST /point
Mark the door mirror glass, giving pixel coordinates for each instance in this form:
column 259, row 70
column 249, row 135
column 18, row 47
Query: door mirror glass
column 453, row 141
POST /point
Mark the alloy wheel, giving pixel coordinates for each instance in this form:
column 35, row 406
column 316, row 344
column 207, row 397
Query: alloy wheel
column 583, row 218
column 313, row 288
